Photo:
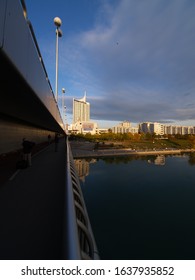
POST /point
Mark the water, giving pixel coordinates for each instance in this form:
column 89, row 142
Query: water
column 141, row 208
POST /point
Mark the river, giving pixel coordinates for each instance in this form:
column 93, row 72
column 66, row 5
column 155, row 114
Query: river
column 141, row 207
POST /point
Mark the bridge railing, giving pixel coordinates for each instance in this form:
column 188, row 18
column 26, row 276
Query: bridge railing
column 80, row 242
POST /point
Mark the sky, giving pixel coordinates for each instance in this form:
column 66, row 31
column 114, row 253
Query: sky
column 134, row 58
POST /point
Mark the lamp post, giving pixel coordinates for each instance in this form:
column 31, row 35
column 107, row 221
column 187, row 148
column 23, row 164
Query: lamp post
column 58, row 23
column 63, row 106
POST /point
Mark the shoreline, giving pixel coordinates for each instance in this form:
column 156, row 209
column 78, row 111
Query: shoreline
column 85, row 151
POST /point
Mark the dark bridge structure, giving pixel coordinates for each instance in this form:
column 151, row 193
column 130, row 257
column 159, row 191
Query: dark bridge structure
column 27, row 100
column 28, row 109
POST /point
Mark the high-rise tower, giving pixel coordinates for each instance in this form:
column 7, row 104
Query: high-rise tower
column 81, row 110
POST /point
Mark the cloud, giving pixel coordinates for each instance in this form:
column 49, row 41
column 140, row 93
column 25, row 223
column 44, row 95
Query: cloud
column 140, row 58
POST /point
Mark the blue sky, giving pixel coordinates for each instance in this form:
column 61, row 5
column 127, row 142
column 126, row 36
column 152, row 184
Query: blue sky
column 134, row 58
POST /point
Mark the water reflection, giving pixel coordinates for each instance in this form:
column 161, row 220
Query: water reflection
column 139, row 210
column 192, row 159
column 159, row 160
column 83, row 165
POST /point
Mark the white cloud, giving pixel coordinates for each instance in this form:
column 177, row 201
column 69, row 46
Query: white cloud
column 141, row 61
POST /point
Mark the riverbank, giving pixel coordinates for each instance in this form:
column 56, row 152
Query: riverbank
column 86, row 150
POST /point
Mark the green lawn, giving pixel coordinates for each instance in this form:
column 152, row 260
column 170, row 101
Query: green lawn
column 155, row 144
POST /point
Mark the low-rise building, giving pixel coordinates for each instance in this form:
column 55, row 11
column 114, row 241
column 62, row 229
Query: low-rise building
column 85, row 127
column 177, row 129
column 161, row 129
column 124, row 127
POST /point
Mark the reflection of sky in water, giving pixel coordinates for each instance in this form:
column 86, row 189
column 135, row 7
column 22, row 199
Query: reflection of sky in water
column 140, row 210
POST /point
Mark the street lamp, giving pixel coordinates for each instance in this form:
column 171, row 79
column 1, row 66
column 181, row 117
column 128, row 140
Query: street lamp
column 58, row 23
column 63, row 106
column 63, row 96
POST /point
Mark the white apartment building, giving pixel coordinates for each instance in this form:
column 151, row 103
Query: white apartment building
column 161, row 129
column 157, row 128
column 124, row 127
column 149, row 127
column 81, row 110
column 176, row 129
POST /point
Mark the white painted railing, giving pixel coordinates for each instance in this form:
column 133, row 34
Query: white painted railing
column 79, row 236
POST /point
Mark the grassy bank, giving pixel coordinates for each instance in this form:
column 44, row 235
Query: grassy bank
column 156, row 144
column 139, row 141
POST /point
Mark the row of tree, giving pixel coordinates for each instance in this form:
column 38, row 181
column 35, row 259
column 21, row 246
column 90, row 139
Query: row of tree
column 131, row 137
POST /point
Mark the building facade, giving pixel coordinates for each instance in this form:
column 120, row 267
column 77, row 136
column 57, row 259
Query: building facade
column 85, row 128
column 177, row 129
column 81, row 110
column 149, row 127
column 161, row 129
column 124, row 127
column 81, row 117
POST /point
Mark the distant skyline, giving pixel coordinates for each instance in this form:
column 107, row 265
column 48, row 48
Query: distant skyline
column 135, row 59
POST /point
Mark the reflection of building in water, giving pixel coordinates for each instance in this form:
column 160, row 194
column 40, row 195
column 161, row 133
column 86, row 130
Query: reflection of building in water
column 82, row 167
column 182, row 155
column 159, row 160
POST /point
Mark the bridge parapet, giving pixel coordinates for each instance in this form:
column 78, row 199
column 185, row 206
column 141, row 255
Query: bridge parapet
column 19, row 47
column 80, row 242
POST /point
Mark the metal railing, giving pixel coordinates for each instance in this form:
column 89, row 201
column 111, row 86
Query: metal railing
column 80, row 242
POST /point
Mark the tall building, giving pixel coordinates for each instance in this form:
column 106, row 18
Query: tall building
column 81, row 110
column 81, row 117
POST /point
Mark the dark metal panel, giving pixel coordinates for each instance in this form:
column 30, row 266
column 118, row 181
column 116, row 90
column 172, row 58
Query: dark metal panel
column 16, row 36
column 18, row 99
column 26, row 81
column 38, row 80
column 2, row 20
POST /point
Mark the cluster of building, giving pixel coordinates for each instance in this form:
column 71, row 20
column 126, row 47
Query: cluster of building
column 153, row 128
column 82, row 123
column 162, row 129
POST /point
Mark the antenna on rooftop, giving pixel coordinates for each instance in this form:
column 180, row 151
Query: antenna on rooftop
column 85, row 96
